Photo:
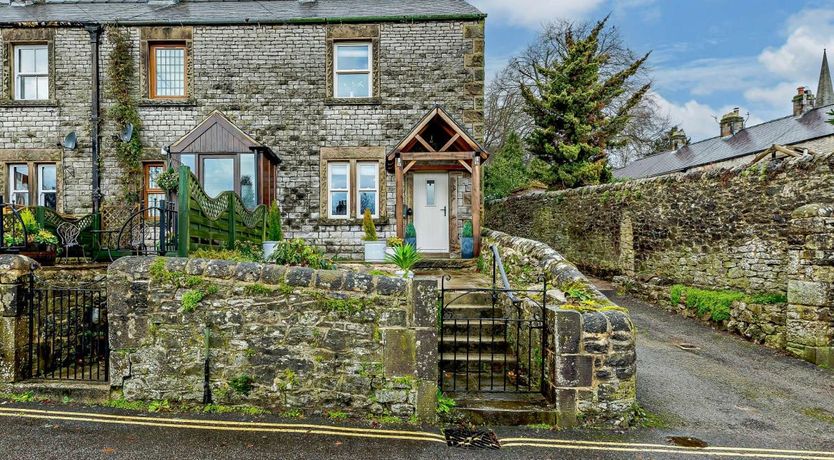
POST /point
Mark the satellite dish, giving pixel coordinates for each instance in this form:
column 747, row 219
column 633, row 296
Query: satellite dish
column 70, row 141
column 127, row 133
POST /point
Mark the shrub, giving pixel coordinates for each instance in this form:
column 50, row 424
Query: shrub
column 298, row 252
column 275, row 230
column 242, row 384
column 717, row 303
column 410, row 231
column 244, row 251
column 368, row 226
column 467, row 229
column 404, row 257
column 395, row 241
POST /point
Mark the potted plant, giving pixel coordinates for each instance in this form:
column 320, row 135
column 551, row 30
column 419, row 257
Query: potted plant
column 40, row 244
column 393, row 242
column 374, row 248
column 467, row 242
column 168, row 180
column 274, row 232
column 404, row 257
column 411, row 235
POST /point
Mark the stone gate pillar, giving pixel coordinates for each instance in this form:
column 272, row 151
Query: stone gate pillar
column 810, row 315
column 14, row 321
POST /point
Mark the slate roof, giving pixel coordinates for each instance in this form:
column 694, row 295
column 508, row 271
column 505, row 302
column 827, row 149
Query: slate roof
column 783, row 131
column 143, row 12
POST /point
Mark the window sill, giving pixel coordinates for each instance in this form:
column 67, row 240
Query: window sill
column 353, row 221
column 353, row 101
column 168, row 102
column 28, row 103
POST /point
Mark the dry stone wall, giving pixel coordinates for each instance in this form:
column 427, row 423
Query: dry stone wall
column 283, row 338
column 725, row 229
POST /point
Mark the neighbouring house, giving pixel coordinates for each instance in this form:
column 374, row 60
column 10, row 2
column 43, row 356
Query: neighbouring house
column 328, row 107
column 806, row 131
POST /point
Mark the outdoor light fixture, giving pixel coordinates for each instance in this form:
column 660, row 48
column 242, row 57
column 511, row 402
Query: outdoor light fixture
column 70, row 141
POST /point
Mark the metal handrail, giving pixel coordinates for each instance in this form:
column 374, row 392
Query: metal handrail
column 498, row 264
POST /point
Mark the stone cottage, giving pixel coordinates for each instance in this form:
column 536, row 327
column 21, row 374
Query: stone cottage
column 329, row 107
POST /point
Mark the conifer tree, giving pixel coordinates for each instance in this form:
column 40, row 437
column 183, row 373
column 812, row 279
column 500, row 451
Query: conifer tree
column 506, row 170
column 568, row 107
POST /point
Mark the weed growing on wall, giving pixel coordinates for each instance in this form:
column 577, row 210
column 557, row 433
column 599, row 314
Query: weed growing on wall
column 242, row 384
column 717, row 303
column 121, row 75
column 445, row 404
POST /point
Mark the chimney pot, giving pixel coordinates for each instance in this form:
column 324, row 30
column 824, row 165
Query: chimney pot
column 803, row 101
column 731, row 123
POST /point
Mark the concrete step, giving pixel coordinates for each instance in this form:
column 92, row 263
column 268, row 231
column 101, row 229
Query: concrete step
column 507, row 409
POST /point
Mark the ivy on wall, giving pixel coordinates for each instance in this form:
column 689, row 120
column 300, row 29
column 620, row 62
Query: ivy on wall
column 121, row 75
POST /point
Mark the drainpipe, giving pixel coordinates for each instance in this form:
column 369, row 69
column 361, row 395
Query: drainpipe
column 95, row 112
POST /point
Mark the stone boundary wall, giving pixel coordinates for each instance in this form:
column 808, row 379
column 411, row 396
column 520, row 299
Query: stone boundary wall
column 755, row 230
column 717, row 229
column 590, row 364
column 282, row 338
column 15, row 271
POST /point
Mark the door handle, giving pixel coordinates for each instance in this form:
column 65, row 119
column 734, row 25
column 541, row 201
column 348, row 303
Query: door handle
column 444, row 211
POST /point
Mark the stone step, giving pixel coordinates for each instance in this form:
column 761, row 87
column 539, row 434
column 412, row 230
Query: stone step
column 462, row 311
column 474, row 358
column 505, row 409
column 472, row 298
column 486, row 382
column 485, row 345
column 57, row 390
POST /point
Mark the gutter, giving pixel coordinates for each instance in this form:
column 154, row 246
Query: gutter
column 226, row 22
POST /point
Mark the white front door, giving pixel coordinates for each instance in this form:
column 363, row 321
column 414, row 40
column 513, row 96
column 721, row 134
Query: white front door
column 431, row 211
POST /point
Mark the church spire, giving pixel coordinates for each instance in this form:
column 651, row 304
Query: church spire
column 825, row 90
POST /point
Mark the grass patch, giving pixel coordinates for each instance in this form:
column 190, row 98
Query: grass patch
column 337, row 415
column 257, row 289
column 540, row 426
column 28, row 396
column 819, row 414
column 640, row 417
column 717, row 303
column 126, row 405
column 292, row 413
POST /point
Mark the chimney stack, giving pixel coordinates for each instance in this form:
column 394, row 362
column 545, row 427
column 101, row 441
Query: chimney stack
column 731, row 123
column 803, row 101
column 678, row 138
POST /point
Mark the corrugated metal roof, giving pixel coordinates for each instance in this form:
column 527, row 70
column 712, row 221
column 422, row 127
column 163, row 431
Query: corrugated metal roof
column 784, row 131
column 232, row 12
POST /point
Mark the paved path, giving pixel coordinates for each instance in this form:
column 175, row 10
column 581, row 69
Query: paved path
column 729, row 391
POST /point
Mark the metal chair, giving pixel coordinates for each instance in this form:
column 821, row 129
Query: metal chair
column 68, row 233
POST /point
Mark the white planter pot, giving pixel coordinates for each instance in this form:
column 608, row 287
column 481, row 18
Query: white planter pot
column 389, row 251
column 375, row 251
column 269, row 248
column 403, row 274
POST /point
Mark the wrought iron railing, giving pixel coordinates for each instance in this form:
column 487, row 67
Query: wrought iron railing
column 13, row 234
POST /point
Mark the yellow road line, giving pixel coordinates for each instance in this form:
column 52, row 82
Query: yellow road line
column 223, row 422
column 664, row 446
column 378, row 435
column 669, row 450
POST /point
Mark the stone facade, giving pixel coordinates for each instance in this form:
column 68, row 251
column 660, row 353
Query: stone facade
column 271, row 81
column 278, row 337
column 14, row 322
column 591, row 359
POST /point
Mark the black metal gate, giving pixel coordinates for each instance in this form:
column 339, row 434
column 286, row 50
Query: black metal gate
column 492, row 340
column 67, row 332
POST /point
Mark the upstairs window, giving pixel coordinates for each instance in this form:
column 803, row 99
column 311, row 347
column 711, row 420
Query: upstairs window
column 167, row 71
column 352, row 70
column 31, row 72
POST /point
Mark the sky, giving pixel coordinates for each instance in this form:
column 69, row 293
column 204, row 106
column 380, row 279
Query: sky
column 708, row 56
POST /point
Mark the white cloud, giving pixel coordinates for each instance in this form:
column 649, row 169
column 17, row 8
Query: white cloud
column 707, row 76
column 808, row 32
column 534, row 13
column 698, row 119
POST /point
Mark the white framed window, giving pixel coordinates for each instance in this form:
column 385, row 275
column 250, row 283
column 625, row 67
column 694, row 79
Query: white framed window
column 352, row 72
column 367, row 190
column 338, row 189
column 19, row 184
column 47, row 185
column 31, row 72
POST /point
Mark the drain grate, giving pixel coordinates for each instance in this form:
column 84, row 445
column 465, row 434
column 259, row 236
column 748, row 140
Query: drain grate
column 471, row 439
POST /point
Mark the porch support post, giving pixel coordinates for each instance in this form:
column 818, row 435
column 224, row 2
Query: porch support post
column 399, row 192
column 476, row 202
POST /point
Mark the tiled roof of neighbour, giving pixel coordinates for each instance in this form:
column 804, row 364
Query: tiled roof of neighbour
column 234, row 12
column 783, row 131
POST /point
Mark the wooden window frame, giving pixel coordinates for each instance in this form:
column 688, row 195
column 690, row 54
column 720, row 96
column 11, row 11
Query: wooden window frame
column 152, row 47
column 370, row 70
column 147, row 191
